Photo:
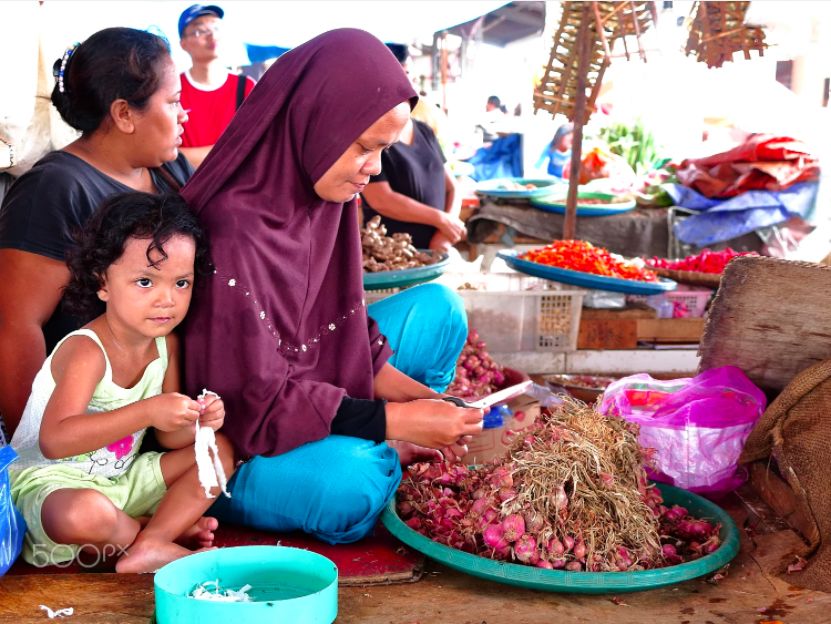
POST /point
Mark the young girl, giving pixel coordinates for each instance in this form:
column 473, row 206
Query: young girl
column 81, row 483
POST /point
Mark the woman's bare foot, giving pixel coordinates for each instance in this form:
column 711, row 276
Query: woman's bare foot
column 148, row 555
column 200, row 535
column 409, row 453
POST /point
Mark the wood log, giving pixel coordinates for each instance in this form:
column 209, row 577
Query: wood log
column 770, row 317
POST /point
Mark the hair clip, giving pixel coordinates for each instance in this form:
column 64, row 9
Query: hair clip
column 64, row 60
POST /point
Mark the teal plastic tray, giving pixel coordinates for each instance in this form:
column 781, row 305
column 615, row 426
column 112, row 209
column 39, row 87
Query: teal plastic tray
column 288, row 585
column 558, row 205
column 406, row 277
column 586, row 280
column 582, row 582
column 495, row 188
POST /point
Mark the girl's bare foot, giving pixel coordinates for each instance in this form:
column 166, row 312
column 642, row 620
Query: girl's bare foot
column 148, row 555
column 201, row 534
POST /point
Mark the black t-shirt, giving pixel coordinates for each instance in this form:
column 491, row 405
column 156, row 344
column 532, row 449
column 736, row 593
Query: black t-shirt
column 416, row 171
column 52, row 200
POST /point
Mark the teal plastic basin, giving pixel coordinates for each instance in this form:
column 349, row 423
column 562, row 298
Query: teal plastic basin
column 287, row 585
column 582, row 582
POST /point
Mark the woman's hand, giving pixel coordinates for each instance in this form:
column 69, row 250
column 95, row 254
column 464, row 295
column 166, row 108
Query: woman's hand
column 440, row 243
column 213, row 411
column 452, row 227
column 432, row 423
column 173, row 411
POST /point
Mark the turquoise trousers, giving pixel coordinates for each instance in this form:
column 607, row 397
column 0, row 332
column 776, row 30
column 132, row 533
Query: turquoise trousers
column 336, row 488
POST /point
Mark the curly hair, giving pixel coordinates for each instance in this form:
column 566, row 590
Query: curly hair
column 101, row 242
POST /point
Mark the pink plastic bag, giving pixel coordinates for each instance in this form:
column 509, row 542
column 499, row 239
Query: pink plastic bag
column 698, row 426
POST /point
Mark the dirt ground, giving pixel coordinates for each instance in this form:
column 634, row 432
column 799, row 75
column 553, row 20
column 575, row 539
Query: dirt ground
column 749, row 592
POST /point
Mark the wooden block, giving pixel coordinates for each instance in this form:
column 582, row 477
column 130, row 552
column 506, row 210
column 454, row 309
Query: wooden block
column 632, row 311
column 607, row 334
column 779, row 496
column 770, row 317
column 611, row 329
column 681, row 330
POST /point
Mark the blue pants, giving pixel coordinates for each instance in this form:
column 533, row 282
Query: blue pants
column 336, row 488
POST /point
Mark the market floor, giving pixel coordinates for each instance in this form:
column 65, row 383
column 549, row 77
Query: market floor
column 749, row 592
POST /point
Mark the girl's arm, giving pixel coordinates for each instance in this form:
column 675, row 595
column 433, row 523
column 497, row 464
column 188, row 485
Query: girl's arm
column 67, row 429
column 172, row 383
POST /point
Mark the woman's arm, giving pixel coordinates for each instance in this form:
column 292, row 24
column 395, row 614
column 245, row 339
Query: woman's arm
column 393, row 385
column 172, row 383
column 397, row 206
column 30, row 289
column 415, row 413
column 452, row 200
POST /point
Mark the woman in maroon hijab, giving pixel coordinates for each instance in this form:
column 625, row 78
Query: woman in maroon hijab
column 281, row 331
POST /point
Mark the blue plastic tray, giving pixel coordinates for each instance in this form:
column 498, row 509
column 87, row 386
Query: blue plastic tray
column 406, row 277
column 494, row 188
column 586, row 280
column 558, row 205
column 582, row 582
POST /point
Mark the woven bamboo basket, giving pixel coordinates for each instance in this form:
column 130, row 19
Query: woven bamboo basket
column 608, row 21
column 718, row 31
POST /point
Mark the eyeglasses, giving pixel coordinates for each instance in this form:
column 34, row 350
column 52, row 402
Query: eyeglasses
column 203, row 32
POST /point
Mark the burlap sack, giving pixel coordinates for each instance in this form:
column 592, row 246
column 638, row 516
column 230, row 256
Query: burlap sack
column 796, row 431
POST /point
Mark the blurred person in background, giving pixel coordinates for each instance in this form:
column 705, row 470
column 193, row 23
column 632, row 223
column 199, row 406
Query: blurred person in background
column 493, row 122
column 210, row 93
column 558, row 152
column 415, row 192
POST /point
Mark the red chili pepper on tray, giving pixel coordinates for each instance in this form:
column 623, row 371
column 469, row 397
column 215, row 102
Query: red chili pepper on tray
column 706, row 261
column 582, row 256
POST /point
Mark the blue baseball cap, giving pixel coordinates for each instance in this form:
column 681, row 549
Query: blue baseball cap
column 197, row 10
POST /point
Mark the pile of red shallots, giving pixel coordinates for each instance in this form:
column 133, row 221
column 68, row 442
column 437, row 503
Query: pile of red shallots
column 477, row 375
column 572, row 494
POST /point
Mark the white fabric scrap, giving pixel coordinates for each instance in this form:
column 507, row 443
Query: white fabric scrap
column 208, row 465
column 57, row 613
column 203, row 592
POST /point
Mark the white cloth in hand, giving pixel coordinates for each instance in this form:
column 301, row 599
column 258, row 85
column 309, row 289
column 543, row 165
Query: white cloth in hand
column 208, row 465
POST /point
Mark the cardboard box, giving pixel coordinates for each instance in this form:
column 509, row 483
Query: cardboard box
column 494, row 442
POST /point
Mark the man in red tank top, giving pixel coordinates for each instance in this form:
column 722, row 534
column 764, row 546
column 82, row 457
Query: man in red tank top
column 210, row 93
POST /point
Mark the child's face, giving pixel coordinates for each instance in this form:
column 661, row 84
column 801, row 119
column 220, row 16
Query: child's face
column 150, row 300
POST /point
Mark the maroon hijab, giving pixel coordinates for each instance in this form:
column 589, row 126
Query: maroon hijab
column 280, row 330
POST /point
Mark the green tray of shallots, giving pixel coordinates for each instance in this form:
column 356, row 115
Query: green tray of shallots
column 567, row 509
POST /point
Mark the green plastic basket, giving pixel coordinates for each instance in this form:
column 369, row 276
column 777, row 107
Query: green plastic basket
column 582, row 582
column 287, row 585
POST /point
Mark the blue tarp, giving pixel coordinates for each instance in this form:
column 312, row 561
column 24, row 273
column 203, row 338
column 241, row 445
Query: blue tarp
column 724, row 219
column 502, row 159
column 261, row 53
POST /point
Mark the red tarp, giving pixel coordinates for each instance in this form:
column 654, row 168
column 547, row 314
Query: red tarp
column 762, row 162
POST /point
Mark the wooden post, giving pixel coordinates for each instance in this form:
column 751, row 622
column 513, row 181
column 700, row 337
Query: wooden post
column 583, row 56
